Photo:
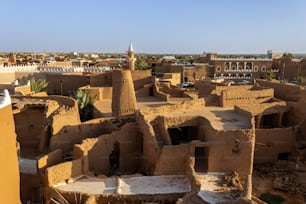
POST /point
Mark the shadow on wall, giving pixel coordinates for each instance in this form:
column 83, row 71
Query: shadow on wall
column 114, row 154
column 33, row 131
column 70, row 135
column 63, row 173
column 140, row 83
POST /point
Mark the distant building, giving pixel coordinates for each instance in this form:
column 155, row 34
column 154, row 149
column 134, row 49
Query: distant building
column 131, row 57
column 12, row 58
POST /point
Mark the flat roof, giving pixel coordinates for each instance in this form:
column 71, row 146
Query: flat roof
column 140, row 185
column 219, row 117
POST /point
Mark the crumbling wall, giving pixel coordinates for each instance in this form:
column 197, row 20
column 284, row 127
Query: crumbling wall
column 271, row 142
column 225, row 149
column 212, row 93
column 286, row 92
column 63, row 172
column 141, row 78
column 173, row 91
column 49, row 159
column 159, row 94
column 299, row 116
column 151, row 151
column 98, row 93
column 24, row 90
column 37, row 118
column 66, row 84
column 239, row 96
column 97, row 151
column 151, row 148
column 172, row 160
column 69, row 135
column 230, row 150
column 67, row 115
column 264, row 108
column 173, row 78
column 31, row 183
column 147, row 90
column 101, row 80
column 30, row 125
column 9, row 173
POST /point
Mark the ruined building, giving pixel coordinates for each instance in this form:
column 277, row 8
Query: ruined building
column 123, row 96
column 154, row 142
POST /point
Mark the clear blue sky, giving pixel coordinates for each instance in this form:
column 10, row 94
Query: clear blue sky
column 154, row 26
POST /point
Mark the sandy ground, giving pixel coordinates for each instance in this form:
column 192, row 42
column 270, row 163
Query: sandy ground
column 144, row 185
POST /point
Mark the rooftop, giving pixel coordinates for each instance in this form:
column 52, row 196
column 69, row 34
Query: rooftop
column 140, row 185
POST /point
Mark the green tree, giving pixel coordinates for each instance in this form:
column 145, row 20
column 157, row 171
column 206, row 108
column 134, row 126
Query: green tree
column 38, row 85
column 142, row 64
column 269, row 75
column 85, row 104
column 288, row 55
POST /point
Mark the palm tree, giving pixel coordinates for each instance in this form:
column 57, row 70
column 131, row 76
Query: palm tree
column 38, row 85
column 85, row 104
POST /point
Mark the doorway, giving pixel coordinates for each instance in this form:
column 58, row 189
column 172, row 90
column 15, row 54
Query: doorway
column 201, row 159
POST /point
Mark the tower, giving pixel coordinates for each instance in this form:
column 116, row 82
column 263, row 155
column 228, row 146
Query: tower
column 124, row 98
column 131, row 57
column 12, row 58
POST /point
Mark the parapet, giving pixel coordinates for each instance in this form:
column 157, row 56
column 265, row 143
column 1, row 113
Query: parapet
column 5, row 100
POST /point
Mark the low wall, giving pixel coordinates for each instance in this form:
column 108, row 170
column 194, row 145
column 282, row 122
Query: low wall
column 141, row 78
column 271, row 142
column 24, row 90
column 286, row 92
column 145, row 91
column 262, row 109
column 172, row 160
column 66, row 117
column 66, row 84
column 49, row 159
column 98, row 93
column 234, row 97
column 159, row 94
column 97, row 151
column 69, row 135
column 63, row 172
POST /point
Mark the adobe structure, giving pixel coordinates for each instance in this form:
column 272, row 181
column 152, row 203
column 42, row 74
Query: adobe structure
column 124, row 99
column 154, row 142
column 9, row 171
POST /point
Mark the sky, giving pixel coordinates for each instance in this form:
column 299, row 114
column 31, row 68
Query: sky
column 153, row 26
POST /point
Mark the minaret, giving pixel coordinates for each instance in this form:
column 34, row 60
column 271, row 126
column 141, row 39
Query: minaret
column 12, row 58
column 131, row 57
